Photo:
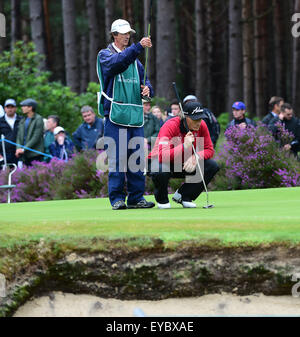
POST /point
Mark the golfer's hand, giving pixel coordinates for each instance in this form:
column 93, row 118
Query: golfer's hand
column 19, row 152
column 146, row 42
column 190, row 165
column 281, row 116
column 145, row 90
column 1, row 158
column 242, row 126
column 188, row 140
column 287, row 147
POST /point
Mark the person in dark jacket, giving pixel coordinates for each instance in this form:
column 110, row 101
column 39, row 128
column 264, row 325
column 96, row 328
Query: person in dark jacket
column 62, row 147
column 151, row 124
column 239, row 119
column 275, row 105
column 173, row 157
column 30, row 133
column 87, row 134
column 291, row 124
column 121, row 77
column 9, row 127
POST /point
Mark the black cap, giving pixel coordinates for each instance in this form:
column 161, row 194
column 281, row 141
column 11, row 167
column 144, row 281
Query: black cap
column 29, row 102
column 194, row 110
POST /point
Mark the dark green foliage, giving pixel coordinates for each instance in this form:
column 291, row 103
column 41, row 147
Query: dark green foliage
column 21, row 79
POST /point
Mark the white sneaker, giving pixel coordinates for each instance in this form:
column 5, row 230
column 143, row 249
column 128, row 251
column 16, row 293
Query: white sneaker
column 164, row 206
column 188, row 204
column 177, row 197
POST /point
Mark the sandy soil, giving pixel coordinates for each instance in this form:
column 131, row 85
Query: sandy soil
column 60, row 304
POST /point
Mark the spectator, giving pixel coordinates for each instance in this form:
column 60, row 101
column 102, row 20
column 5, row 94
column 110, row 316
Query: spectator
column 175, row 110
column 30, row 133
column 9, row 127
column 62, row 147
column 239, row 119
column 175, row 138
column 1, row 111
column 210, row 120
column 51, row 124
column 275, row 105
column 291, row 124
column 151, row 124
column 157, row 112
column 87, row 134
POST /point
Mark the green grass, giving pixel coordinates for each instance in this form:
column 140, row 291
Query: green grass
column 254, row 216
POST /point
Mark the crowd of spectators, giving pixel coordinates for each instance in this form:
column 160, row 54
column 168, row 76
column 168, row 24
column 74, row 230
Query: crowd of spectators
column 47, row 138
column 37, row 139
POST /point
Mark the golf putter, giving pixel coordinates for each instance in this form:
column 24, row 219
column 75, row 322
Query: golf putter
column 147, row 98
column 195, row 153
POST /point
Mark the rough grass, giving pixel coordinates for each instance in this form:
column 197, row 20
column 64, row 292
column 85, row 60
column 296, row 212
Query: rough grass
column 239, row 217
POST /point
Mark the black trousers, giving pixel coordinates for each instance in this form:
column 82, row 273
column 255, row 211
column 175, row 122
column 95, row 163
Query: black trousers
column 189, row 190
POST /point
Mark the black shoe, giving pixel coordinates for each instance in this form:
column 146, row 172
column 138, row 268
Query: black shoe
column 142, row 204
column 119, row 205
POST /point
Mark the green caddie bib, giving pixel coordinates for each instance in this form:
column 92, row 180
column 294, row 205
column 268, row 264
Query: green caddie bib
column 126, row 103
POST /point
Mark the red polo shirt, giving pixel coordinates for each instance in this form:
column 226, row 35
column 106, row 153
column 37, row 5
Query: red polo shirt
column 169, row 142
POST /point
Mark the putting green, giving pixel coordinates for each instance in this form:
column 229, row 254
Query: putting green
column 254, row 216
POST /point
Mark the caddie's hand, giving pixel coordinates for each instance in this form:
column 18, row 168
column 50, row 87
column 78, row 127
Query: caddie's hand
column 189, row 140
column 287, row 147
column 190, row 165
column 19, row 152
column 145, row 90
column 146, row 42
column 1, row 158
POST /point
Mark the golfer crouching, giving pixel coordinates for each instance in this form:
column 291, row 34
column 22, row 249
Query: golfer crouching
column 173, row 157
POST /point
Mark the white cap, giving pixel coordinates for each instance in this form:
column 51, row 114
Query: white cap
column 190, row 98
column 121, row 26
column 10, row 101
column 57, row 130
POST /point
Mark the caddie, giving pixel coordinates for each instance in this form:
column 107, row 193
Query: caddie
column 121, row 77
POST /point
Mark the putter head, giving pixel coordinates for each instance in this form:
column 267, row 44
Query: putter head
column 208, row 206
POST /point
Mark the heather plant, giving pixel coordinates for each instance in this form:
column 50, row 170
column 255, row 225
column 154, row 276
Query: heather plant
column 251, row 158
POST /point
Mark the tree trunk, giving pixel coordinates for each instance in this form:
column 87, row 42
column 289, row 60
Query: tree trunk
column 94, row 40
column 235, row 70
column 84, row 67
column 201, row 53
column 166, row 49
column 260, row 57
column 248, row 56
column 127, row 10
column 278, row 26
column 3, row 40
column 48, row 32
column 70, row 44
column 296, row 67
column 109, row 10
column 15, row 21
column 37, row 29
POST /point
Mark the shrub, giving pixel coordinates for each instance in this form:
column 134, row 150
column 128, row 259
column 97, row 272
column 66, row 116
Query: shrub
column 251, row 158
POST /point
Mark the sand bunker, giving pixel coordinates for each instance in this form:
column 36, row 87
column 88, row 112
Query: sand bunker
column 59, row 304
